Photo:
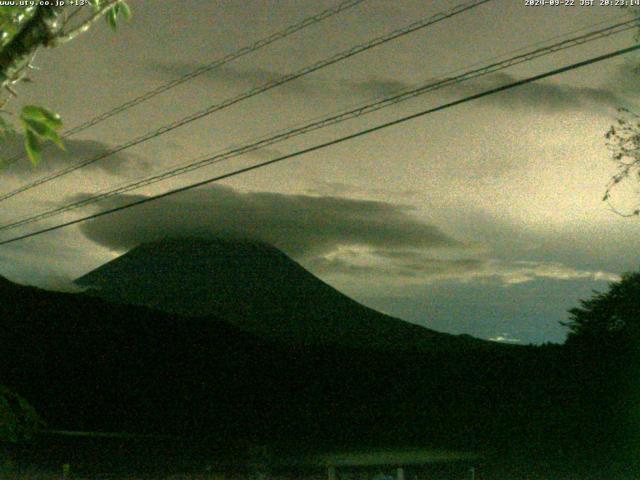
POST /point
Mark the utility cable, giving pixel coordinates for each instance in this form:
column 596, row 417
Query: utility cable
column 336, row 141
column 253, row 92
column 263, row 42
column 328, row 121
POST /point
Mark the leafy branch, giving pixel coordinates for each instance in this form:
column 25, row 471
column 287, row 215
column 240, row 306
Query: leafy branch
column 25, row 30
column 623, row 140
column 39, row 126
column 112, row 10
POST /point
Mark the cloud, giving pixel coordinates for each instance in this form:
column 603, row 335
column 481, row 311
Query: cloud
column 321, row 187
column 301, row 225
column 332, row 236
column 371, row 87
column 256, row 77
column 75, row 151
column 50, row 262
column 525, row 271
column 414, row 266
column 625, row 77
column 546, row 95
column 539, row 95
column 244, row 78
column 375, row 87
column 505, row 338
column 392, row 264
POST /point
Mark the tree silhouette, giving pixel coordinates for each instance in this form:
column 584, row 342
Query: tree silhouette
column 609, row 319
column 603, row 347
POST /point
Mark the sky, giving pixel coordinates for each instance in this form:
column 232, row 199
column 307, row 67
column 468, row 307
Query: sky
column 486, row 218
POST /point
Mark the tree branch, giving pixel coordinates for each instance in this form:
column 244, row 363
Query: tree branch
column 68, row 18
column 84, row 26
column 37, row 32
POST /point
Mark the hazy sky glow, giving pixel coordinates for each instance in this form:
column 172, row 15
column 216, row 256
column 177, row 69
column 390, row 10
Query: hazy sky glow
column 485, row 218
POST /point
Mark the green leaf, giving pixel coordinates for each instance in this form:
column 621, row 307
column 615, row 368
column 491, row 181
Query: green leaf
column 125, row 10
column 95, row 4
column 39, row 124
column 33, row 146
column 120, row 9
column 40, row 114
column 56, row 138
column 43, row 130
column 112, row 16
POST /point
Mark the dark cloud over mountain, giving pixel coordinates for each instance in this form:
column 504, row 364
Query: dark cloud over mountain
column 328, row 234
column 301, row 225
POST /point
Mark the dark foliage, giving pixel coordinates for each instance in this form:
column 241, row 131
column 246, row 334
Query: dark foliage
column 603, row 347
column 86, row 364
column 609, row 320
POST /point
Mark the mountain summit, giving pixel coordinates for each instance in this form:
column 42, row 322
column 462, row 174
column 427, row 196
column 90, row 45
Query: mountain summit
column 259, row 289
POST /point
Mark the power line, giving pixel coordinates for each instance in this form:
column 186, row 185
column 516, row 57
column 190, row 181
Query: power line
column 253, row 92
column 330, row 143
column 332, row 120
column 263, row 42
column 290, row 30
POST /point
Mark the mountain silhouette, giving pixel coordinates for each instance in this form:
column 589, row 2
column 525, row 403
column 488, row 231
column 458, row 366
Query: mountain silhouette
column 88, row 364
column 257, row 288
